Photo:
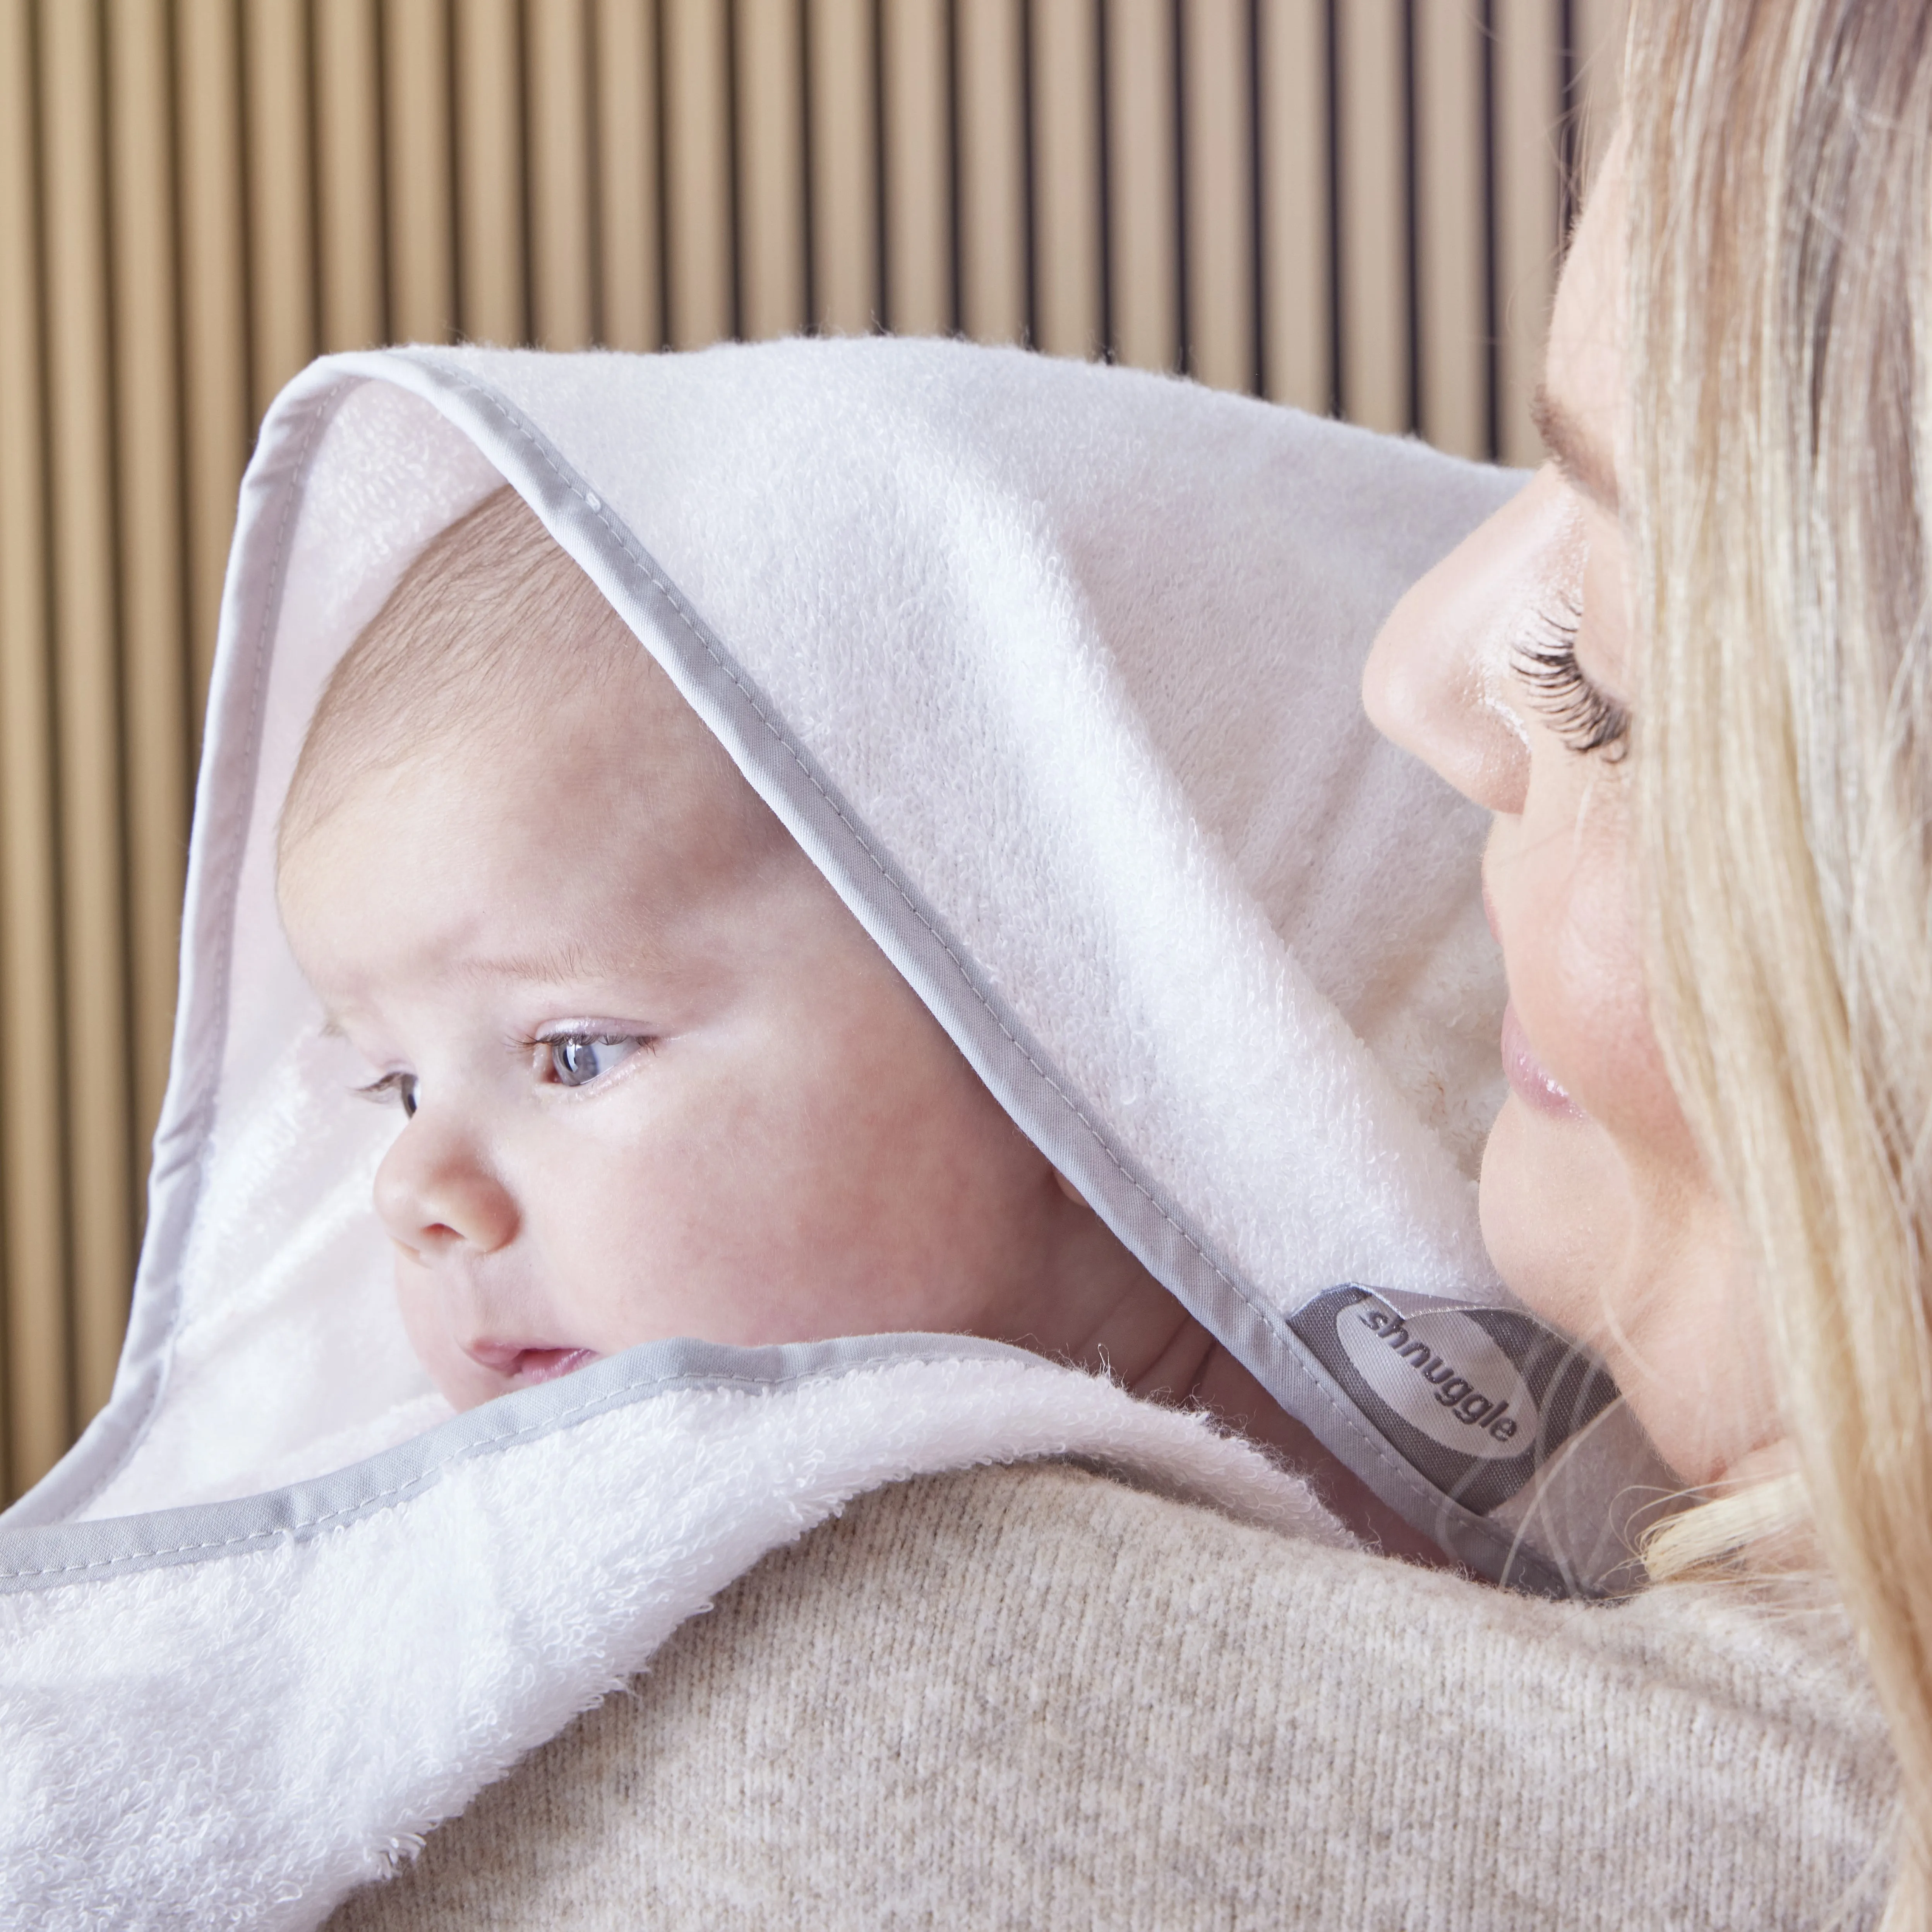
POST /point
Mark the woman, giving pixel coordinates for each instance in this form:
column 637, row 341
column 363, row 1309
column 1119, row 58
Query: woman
column 1688, row 670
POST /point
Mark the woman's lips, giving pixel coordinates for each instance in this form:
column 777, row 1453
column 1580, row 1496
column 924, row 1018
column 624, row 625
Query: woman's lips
column 1527, row 1076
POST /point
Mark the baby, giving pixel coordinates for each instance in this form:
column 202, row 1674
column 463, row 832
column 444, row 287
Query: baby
column 656, row 1080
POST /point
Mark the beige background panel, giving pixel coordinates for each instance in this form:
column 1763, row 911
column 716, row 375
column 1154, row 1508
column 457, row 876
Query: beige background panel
column 698, row 172
column 493, row 278
column 561, row 185
column 1528, row 108
column 349, row 172
column 992, row 144
column 916, row 69
column 1143, row 183
column 1069, row 202
column 280, row 193
column 630, row 235
column 842, row 60
column 195, row 195
column 80, row 467
column 771, row 169
column 1217, row 70
column 1296, row 268
column 1452, row 307
column 417, row 141
column 35, row 1389
column 1373, row 245
column 148, row 468
column 214, row 327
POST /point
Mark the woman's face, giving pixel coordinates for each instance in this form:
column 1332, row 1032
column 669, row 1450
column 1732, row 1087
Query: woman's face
column 1508, row 668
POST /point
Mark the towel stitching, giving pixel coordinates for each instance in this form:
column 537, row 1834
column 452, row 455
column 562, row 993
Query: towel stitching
column 628, row 543
column 705, row 1385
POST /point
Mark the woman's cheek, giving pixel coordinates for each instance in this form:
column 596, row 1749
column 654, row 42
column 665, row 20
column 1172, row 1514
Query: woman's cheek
column 1577, row 974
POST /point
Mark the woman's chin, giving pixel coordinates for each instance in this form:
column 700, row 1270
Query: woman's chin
column 1556, row 1213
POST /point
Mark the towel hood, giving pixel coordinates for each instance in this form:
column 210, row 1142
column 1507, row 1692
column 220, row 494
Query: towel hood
column 1051, row 669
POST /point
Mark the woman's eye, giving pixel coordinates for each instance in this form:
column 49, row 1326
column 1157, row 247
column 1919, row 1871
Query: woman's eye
column 402, row 1085
column 1586, row 719
column 576, row 1059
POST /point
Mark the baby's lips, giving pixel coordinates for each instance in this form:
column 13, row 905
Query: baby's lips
column 527, row 1362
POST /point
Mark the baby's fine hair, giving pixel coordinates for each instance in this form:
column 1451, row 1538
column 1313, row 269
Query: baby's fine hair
column 492, row 625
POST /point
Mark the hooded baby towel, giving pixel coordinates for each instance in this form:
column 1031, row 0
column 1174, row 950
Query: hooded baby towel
column 1051, row 670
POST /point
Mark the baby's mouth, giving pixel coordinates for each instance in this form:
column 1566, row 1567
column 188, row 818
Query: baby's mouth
column 526, row 1366
column 545, row 1365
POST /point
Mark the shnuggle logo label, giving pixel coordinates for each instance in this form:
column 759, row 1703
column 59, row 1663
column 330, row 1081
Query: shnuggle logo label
column 1475, row 1399
column 1442, row 1375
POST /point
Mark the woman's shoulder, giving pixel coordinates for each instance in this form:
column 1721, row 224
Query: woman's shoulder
column 1035, row 1695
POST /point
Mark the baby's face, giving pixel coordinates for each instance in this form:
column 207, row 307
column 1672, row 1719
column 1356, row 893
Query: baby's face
column 651, row 1077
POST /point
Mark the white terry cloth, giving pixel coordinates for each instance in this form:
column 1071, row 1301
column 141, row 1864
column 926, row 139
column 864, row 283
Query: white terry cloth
column 1052, row 670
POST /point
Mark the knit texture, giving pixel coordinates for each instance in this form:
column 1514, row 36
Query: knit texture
column 1035, row 1697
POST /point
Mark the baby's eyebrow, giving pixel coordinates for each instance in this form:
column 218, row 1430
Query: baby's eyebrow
column 572, row 960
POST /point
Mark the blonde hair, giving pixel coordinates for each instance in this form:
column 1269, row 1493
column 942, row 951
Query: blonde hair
column 1779, row 310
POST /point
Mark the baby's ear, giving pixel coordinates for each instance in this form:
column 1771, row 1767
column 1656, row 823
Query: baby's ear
column 1067, row 1188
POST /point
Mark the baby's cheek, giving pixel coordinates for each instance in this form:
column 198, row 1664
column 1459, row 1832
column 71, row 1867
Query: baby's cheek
column 460, row 1380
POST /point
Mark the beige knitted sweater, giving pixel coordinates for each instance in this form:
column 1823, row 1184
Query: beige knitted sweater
column 1033, row 1697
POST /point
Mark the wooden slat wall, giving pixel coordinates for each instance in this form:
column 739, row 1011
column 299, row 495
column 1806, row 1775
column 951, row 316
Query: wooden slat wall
column 1348, row 205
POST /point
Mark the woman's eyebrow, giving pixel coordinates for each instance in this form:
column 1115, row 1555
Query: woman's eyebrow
column 1584, row 466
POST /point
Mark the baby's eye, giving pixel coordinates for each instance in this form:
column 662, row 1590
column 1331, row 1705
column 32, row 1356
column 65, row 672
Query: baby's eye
column 576, row 1059
column 402, row 1085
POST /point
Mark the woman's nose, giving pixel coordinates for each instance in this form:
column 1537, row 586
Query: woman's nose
column 1438, row 680
column 434, row 1191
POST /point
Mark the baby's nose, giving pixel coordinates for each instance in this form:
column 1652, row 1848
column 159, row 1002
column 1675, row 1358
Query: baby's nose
column 435, row 1190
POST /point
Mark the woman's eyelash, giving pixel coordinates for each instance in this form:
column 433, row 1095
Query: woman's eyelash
column 1585, row 717
column 400, row 1086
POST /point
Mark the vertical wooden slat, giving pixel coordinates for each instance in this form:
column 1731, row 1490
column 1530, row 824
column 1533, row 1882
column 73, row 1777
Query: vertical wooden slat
column 148, row 469
column 1452, row 297
column 1070, row 295
column 349, row 172
column 417, row 157
column 915, row 56
column 491, row 262
column 1528, row 108
column 990, row 61
column 1215, row 68
column 630, row 235
column 33, row 1233
column 1373, row 245
column 1143, row 215
column 556, row 38
column 214, row 333
column 280, row 194
column 1296, row 264
column 1598, row 26
column 771, row 168
column 701, row 294
column 86, row 690
column 843, row 60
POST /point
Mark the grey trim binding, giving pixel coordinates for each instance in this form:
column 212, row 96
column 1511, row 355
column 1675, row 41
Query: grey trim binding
column 65, row 1554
